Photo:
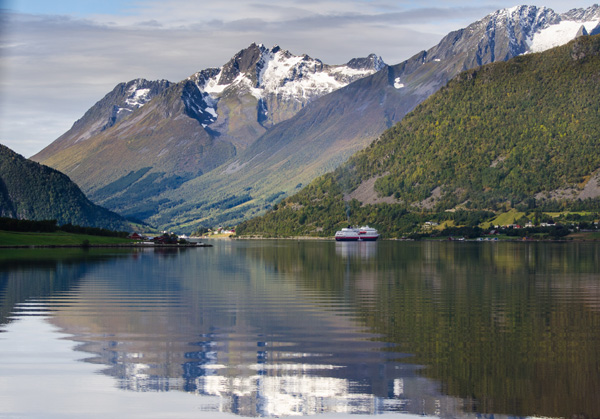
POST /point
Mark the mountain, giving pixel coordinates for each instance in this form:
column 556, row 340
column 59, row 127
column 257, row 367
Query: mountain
column 114, row 107
column 268, row 122
column 521, row 133
column 260, row 87
column 330, row 129
column 145, row 137
column 32, row 191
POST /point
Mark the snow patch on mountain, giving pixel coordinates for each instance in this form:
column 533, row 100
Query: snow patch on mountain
column 303, row 78
column 212, row 111
column 118, row 111
column 137, row 97
column 212, row 86
column 557, row 35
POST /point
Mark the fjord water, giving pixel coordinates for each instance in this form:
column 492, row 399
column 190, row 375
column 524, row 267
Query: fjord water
column 282, row 328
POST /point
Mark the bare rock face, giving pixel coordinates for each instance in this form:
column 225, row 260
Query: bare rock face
column 244, row 62
column 582, row 50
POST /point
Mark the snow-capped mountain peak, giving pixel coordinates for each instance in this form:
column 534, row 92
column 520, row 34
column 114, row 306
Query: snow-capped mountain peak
column 278, row 71
column 137, row 93
column 583, row 15
column 536, row 29
column 527, row 17
column 274, row 76
column 509, row 32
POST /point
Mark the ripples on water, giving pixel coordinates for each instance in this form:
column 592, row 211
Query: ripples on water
column 287, row 328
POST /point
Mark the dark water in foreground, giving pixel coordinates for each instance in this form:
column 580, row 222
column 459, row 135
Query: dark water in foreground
column 282, row 328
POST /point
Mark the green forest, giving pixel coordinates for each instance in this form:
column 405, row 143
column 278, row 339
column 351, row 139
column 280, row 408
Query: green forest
column 31, row 191
column 493, row 139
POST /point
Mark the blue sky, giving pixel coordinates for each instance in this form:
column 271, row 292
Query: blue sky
column 60, row 57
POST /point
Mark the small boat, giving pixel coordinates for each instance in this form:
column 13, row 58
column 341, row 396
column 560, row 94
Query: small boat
column 367, row 234
column 347, row 235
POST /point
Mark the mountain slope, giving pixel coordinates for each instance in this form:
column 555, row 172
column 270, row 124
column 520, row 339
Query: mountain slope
column 32, row 191
column 114, row 107
column 170, row 133
column 330, row 129
column 507, row 133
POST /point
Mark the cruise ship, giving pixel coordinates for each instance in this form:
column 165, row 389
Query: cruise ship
column 365, row 233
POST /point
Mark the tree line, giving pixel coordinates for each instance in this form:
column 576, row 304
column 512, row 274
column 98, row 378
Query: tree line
column 51, row 226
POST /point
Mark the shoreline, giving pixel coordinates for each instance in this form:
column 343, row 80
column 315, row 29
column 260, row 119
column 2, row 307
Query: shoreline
column 95, row 246
column 521, row 240
column 298, row 238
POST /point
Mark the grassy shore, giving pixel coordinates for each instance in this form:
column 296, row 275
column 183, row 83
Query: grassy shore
column 12, row 238
column 595, row 236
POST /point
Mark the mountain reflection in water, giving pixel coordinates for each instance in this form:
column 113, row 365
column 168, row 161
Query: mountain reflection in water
column 285, row 328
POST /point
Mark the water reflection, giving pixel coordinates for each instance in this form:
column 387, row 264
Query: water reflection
column 27, row 274
column 363, row 250
column 286, row 328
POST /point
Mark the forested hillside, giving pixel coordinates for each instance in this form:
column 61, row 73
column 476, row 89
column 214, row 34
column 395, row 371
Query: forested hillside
column 517, row 133
column 32, row 191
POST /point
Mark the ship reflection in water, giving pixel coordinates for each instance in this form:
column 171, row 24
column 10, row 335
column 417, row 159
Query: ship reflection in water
column 360, row 249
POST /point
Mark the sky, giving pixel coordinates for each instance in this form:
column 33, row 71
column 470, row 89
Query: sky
column 59, row 57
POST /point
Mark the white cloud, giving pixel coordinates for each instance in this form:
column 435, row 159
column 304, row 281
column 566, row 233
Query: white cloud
column 54, row 67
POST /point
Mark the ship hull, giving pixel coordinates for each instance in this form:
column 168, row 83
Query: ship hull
column 369, row 239
column 346, row 239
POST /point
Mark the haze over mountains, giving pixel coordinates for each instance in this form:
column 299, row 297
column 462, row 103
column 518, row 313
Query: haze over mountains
column 225, row 144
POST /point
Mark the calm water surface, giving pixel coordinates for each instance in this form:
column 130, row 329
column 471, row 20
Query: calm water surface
column 286, row 328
